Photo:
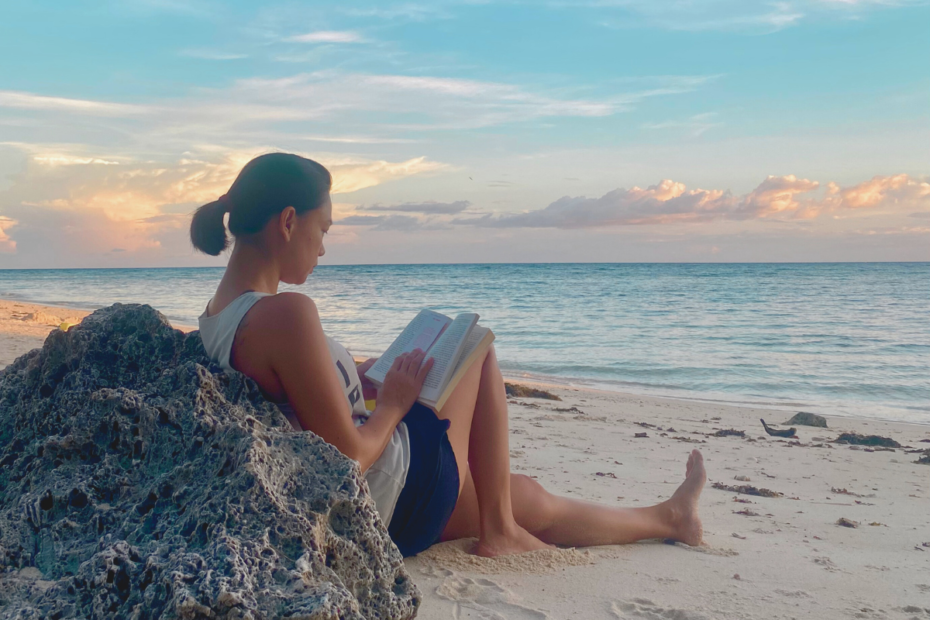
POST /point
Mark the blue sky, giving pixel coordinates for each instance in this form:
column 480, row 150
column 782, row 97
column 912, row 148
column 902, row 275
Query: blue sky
column 603, row 130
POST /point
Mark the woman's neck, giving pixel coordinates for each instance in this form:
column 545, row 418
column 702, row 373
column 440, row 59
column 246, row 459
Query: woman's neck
column 249, row 269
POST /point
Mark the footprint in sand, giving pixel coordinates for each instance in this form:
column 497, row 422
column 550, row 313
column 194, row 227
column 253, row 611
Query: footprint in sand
column 644, row 609
column 483, row 599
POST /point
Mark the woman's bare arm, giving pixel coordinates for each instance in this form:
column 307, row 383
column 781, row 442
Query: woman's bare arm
column 291, row 337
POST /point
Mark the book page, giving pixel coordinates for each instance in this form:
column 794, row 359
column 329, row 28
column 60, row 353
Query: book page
column 422, row 332
column 446, row 354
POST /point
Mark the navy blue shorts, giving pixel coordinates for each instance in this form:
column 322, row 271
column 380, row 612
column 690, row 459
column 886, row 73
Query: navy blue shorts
column 429, row 495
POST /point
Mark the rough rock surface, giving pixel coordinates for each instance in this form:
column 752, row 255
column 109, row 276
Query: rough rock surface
column 137, row 480
column 803, row 418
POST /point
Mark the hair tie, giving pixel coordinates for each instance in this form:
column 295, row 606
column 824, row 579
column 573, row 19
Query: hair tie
column 225, row 203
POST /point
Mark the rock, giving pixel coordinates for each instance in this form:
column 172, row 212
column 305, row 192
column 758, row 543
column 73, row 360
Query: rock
column 804, row 418
column 138, row 480
column 844, row 522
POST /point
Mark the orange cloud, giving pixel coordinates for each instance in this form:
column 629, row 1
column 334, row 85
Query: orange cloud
column 90, row 204
column 893, row 191
column 7, row 245
column 777, row 195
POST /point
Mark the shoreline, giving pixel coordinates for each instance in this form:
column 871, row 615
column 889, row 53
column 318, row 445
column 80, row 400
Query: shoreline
column 34, row 333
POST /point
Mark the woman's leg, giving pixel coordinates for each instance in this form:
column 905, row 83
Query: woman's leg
column 477, row 411
column 574, row 523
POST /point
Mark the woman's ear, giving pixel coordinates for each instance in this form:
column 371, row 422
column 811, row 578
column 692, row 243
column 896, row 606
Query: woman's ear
column 287, row 220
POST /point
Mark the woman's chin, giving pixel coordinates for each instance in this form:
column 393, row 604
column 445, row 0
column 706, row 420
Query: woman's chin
column 296, row 280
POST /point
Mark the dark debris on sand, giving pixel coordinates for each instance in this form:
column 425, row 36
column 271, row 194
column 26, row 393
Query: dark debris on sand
column 728, row 432
column 856, row 439
column 747, row 489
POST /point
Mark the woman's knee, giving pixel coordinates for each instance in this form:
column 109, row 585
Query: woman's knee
column 532, row 504
column 490, row 358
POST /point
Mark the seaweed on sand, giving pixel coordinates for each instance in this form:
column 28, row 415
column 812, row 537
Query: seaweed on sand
column 527, row 392
column 867, row 440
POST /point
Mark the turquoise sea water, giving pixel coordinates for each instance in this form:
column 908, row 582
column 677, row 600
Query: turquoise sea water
column 846, row 339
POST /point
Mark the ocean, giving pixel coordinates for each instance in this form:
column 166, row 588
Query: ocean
column 848, row 339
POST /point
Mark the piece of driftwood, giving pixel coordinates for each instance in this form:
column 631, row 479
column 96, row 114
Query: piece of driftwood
column 788, row 432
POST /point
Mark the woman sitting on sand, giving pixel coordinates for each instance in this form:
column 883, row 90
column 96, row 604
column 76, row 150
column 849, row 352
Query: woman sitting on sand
column 434, row 475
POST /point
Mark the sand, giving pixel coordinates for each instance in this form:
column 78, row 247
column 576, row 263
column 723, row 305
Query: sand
column 765, row 557
column 24, row 326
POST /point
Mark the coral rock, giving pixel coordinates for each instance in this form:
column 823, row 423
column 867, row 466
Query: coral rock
column 139, row 480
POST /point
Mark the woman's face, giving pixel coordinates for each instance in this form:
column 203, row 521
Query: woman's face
column 305, row 246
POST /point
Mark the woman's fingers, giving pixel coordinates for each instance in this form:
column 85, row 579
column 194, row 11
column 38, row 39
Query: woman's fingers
column 399, row 361
column 412, row 363
column 424, row 370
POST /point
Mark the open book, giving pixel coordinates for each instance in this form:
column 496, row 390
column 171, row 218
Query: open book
column 454, row 344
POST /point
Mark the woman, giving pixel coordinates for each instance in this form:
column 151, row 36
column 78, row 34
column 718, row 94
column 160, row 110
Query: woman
column 433, row 475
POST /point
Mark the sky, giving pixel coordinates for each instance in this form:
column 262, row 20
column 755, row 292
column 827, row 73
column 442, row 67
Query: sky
column 474, row 131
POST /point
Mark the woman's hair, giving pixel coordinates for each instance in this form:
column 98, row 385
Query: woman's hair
column 266, row 186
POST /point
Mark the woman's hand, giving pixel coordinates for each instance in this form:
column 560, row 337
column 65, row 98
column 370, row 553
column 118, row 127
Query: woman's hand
column 404, row 380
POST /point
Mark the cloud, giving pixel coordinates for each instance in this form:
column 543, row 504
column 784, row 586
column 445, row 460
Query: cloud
column 382, row 222
column 882, row 191
column 30, row 101
column 352, row 175
column 411, row 11
column 777, row 195
column 379, row 109
column 693, row 126
column 356, row 140
column 57, row 207
column 428, row 208
column 205, row 54
column 7, row 245
column 668, row 202
column 725, row 15
column 327, row 36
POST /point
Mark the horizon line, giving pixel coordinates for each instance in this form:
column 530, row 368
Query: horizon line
column 889, row 262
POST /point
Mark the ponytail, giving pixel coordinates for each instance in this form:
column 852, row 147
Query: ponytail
column 266, row 186
column 208, row 232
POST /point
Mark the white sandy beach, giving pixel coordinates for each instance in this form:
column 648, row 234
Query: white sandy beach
column 783, row 557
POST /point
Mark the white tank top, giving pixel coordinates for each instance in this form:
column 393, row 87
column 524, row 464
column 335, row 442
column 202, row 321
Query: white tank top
column 386, row 477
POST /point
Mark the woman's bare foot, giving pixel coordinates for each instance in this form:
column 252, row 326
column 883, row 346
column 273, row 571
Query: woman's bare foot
column 683, row 505
column 518, row 540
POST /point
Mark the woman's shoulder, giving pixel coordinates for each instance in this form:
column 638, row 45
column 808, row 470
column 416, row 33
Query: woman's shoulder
column 289, row 304
column 292, row 309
